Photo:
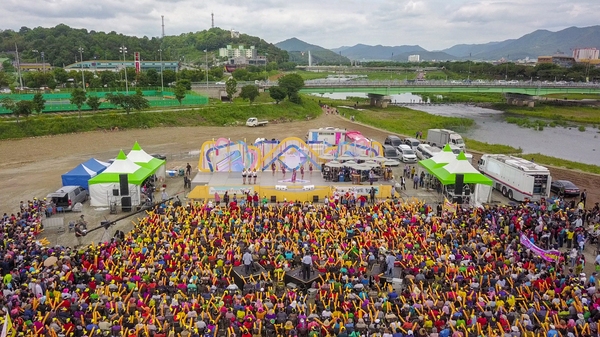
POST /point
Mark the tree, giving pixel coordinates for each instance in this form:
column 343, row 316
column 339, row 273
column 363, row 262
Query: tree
column 129, row 102
column 231, row 87
column 9, row 104
column 187, row 84
column 39, row 103
column 180, row 91
column 249, row 92
column 292, row 83
column 78, row 98
column 277, row 93
column 23, row 108
column 93, row 102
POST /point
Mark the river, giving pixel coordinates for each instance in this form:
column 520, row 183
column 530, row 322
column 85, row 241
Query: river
column 566, row 143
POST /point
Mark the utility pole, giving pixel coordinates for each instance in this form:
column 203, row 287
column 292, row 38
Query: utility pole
column 81, row 59
column 212, row 20
column 123, row 50
column 206, row 60
column 506, row 73
column 162, row 88
column 19, row 66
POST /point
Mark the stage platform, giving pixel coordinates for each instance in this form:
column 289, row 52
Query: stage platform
column 242, row 278
column 379, row 270
column 276, row 187
column 295, row 276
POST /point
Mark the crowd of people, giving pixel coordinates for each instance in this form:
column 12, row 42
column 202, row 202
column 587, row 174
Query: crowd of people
column 463, row 272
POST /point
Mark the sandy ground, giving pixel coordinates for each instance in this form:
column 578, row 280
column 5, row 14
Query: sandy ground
column 33, row 167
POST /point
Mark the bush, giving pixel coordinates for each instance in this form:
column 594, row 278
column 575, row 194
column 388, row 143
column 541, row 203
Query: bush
column 581, row 128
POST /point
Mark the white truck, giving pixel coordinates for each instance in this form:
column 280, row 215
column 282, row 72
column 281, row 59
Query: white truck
column 253, row 121
column 516, row 178
column 441, row 137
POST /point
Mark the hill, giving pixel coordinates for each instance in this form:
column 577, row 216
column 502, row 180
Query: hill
column 379, row 52
column 532, row 45
column 298, row 52
column 60, row 45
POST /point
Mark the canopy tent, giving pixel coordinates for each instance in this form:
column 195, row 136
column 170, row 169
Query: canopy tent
column 80, row 175
column 439, row 159
column 101, row 187
column 447, row 173
column 140, row 157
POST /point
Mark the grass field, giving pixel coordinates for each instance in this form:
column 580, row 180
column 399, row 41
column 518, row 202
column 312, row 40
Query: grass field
column 580, row 115
column 547, row 160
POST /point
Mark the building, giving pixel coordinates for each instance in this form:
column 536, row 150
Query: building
column 33, row 66
column 240, row 51
column 561, row 60
column 581, row 54
column 108, row 65
column 235, row 34
column 414, row 58
column 243, row 61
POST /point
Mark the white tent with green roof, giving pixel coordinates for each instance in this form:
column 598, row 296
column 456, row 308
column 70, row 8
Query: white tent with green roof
column 102, row 186
column 140, row 157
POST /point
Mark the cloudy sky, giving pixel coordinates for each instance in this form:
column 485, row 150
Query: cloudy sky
column 433, row 24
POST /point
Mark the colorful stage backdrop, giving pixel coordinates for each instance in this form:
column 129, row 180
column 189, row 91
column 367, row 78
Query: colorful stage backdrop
column 225, row 155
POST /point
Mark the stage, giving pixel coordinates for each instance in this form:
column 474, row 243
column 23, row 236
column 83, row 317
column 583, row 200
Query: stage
column 277, row 188
column 295, row 276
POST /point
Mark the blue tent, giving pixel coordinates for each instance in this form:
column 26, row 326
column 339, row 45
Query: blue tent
column 80, row 175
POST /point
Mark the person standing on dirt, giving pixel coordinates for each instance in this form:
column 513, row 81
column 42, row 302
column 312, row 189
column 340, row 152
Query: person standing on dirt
column 79, row 233
column 188, row 169
column 583, row 196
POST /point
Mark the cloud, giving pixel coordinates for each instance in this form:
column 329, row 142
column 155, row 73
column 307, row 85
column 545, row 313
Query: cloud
column 433, row 24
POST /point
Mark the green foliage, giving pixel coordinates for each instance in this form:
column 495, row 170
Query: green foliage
column 484, row 147
column 39, row 103
column 78, row 98
column 187, row 84
column 231, row 87
column 93, row 102
column 249, row 92
column 246, row 75
column 180, row 91
column 219, row 115
column 581, row 128
column 277, row 93
column 295, row 98
column 23, row 108
column 129, row 102
column 553, row 161
column 559, row 114
column 8, row 103
column 292, row 83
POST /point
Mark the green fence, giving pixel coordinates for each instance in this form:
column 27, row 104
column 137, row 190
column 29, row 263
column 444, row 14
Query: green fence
column 59, row 102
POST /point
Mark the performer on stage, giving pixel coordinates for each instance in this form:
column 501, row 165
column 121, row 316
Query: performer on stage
column 293, row 176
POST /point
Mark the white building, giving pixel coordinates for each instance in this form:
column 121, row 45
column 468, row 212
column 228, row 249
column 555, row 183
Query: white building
column 235, row 34
column 414, row 58
column 240, row 51
column 580, row 54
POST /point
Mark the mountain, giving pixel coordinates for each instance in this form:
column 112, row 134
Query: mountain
column 379, row 52
column 532, row 45
column 298, row 52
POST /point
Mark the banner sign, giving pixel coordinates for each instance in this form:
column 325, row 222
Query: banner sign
column 355, row 189
column 449, row 207
column 138, row 65
column 548, row 255
column 239, row 190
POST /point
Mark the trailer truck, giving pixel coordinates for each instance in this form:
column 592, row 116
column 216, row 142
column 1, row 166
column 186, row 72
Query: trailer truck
column 516, row 178
column 441, row 137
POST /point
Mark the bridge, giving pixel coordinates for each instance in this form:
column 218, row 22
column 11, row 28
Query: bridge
column 398, row 87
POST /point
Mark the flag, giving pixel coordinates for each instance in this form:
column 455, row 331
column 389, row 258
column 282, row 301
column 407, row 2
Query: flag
column 8, row 327
column 449, row 207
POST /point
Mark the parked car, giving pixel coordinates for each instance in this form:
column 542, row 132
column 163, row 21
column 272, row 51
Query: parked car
column 391, row 152
column 412, row 142
column 67, row 196
column 564, row 188
column 407, row 153
column 392, row 140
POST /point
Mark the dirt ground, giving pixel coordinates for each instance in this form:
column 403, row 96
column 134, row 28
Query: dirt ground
column 33, row 167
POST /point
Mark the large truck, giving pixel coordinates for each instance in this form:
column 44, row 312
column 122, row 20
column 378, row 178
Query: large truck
column 441, row 137
column 516, row 178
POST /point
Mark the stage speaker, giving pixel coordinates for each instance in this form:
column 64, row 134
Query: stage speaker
column 115, row 192
column 458, row 184
column 315, row 198
column 273, row 199
column 124, row 184
column 126, row 204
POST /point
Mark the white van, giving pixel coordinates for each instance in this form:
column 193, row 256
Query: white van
column 425, row 151
column 407, row 154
